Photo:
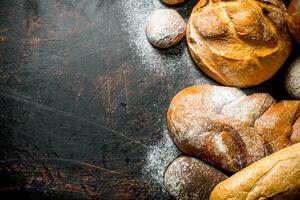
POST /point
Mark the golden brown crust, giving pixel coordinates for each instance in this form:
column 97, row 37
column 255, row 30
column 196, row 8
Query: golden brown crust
column 229, row 129
column 294, row 19
column 276, row 124
column 173, row 2
column 239, row 43
column 276, row 176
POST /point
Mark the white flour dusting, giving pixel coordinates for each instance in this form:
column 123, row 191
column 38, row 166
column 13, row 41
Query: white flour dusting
column 136, row 14
column 158, row 158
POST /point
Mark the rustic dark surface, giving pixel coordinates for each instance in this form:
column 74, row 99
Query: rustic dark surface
column 77, row 110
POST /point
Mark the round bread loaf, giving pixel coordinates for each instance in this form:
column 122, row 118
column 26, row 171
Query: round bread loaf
column 189, row 178
column 292, row 80
column 227, row 128
column 276, row 176
column 239, row 43
column 165, row 28
column 294, row 19
column 173, row 2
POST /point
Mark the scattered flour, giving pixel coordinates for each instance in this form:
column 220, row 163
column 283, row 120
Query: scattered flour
column 154, row 60
column 163, row 62
column 159, row 157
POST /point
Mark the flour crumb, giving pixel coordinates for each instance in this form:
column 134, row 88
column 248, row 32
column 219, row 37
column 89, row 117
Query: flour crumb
column 158, row 158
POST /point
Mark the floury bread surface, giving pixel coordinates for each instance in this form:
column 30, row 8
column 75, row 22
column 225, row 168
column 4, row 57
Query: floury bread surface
column 292, row 79
column 189, row 178
column 229, row 129
column 239, row 43
column 165, row 28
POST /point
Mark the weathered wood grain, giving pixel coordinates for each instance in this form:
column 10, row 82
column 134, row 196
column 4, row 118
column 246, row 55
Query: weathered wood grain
column 78, row 112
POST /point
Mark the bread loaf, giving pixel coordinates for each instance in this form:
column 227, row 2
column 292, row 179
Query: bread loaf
column 229, row 129
column 189, row 178
column 239, row 43
column 173, row 2
column 292, row 79
column 294, row 19
column 276, row 176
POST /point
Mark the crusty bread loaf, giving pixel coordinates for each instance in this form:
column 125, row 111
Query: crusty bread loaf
column 189, row 178
column 229, row 129
column 239, row 43
column 292, row 78
column 294, row 19
column 173, row 2
column 276, row 176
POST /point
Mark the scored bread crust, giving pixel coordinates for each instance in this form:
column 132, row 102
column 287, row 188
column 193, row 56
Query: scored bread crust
column 227, row 128
column 239, row 43
column 276, row 176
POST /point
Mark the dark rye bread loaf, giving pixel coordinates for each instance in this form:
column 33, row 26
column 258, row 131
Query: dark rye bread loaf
column 227, row 128
column 190, row 178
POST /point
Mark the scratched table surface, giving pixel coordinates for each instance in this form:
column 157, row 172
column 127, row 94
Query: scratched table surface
column 79, row 106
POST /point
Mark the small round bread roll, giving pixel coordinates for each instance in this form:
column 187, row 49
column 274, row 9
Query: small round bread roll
column 190, row 178
column 165, row 28
column 173, row 2
column 292, row 81
column 294, row 19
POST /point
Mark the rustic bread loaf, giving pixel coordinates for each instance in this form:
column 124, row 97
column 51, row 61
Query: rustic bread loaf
column 173, row 2
column 276, row 176
column 292, row 79
column 230, row 130
column 239, row 43
column 189, row 178
column 294, row 19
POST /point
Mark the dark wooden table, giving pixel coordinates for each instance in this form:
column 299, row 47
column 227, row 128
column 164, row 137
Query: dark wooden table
column 82, row 108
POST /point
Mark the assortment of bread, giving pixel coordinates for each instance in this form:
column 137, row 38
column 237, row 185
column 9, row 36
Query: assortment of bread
column 231, row 130
column 222, row 131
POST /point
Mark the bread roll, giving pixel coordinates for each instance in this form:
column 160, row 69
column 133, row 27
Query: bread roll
column 230, row 130
column 173, row 2
column 189, row 178
column 294, row 19
column 165, row 28
column 292, row 80
column 276, row 176
column 239, row 43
